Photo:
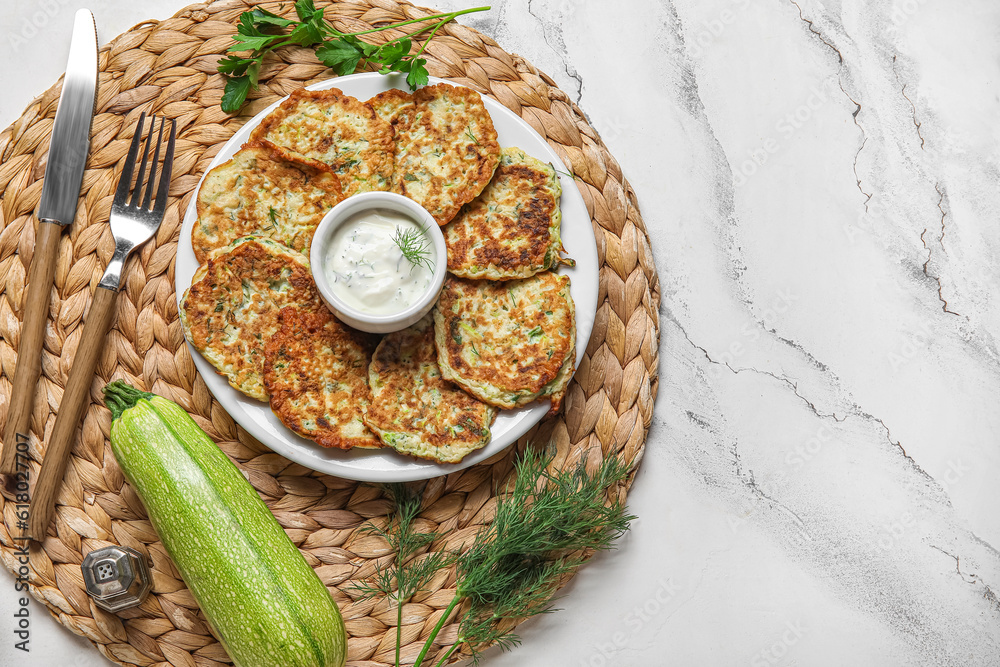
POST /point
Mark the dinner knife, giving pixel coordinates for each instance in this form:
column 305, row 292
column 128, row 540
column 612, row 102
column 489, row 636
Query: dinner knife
column 67, row 156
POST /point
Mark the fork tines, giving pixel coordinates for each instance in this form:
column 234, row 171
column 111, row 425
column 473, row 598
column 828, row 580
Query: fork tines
column 142, row 197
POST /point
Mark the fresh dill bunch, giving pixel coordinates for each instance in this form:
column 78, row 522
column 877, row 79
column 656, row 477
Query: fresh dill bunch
column 415, row 246
column 543, row 529
column 410, row 572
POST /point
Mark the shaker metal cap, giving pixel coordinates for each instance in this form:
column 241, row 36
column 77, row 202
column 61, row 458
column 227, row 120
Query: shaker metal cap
column 116, row 577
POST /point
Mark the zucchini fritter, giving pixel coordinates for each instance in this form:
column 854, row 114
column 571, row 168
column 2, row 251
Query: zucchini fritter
column 257, row 192
column 395, row 107
column 316, row 373
column 232, row 306
column 448, row 152
column 327, row 127
column 511, row 230
column 413, row 409
column 507, row 343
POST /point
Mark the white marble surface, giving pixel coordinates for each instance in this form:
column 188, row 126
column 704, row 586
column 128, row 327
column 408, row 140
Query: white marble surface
column 820, row 186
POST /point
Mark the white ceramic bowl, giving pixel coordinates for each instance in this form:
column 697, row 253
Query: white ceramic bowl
column 324, row 234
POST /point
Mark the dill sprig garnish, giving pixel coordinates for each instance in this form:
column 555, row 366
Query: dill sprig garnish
column 470, row 135
column 410, row 571
column 561, row 171
column 544, row 527
column 415, row 246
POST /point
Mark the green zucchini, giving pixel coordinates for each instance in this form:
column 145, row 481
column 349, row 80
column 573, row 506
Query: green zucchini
column 265, row 603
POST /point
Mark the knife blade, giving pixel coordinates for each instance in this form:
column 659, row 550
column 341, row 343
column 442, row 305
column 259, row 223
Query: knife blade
column 67, row 157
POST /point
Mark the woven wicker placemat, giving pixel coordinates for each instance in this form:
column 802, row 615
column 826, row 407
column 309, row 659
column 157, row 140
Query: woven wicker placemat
column 168, row 67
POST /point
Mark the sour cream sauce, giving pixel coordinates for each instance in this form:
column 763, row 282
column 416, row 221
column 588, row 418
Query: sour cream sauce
column 366, row 268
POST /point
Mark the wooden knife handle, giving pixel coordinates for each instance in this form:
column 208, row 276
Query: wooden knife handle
column 75, row 399
column 29, row 351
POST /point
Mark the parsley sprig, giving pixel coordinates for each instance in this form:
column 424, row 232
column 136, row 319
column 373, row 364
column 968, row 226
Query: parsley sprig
column 259, row 32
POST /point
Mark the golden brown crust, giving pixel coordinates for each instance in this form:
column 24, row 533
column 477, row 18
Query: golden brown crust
column 316, row 374
column 395, row 107
column 511, row 230
column 448, row 153
column 507, row 343
column 413, row 409
column 327, row 128
column 258, row 192
column 232, row 306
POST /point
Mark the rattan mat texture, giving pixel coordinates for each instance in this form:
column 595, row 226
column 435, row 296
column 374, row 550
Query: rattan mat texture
column 168, row 67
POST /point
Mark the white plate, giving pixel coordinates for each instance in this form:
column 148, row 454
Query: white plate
column 385, row 465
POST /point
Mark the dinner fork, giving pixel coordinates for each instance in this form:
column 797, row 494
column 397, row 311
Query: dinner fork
column 132, row 223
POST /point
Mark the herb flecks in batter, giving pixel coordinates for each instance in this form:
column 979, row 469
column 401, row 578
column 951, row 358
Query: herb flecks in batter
column 470, row 135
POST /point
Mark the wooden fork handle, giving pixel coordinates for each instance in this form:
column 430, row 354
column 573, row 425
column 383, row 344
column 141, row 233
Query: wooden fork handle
column 29, row 351
column 74, row 401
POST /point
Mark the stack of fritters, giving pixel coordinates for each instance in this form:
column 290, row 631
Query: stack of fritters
column 231, row 308
column 432, row 390
column 509, row 336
